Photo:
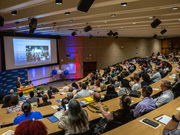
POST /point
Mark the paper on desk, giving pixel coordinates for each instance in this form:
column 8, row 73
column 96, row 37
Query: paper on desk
column 54, row 106
column 90, row 91
column 172, row 77
column 155, row 89
column 58, row 115
column 85, row 102
column 9, row 132
column 163, row 119
column 61, row 89
column 178, row 108
column 63, row 93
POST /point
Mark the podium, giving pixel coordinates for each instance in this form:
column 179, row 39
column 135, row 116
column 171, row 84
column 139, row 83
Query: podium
column 25, row 89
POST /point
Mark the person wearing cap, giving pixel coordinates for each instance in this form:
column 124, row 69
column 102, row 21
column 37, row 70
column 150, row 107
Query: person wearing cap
column 27, row 114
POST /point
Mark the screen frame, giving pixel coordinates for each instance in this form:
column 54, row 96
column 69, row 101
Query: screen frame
column 28, row 36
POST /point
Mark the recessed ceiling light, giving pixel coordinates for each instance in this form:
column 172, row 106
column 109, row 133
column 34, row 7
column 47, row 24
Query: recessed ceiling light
column 14, row 13
column 134, row 23
column 105, row 21
column 179, row 19
column 67, row 13
column 113, row 15
column 70, row 20
column 124, row 4
column 59, row 2
column 150, row 17
column 174, row 8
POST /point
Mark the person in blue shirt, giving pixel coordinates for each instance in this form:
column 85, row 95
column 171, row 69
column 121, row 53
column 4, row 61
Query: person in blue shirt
column 27, row 114
column 21, row 96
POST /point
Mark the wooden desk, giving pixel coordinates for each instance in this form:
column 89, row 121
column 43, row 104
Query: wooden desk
column 25, row 89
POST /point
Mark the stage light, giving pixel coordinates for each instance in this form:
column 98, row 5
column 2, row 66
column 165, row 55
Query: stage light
column 155, row 23
column 124, row 4
column 155, row 36
column 90, row 36
column 115, row 34
column 74, row 33
column 163, row 31
column 59, row 2
column 14, row 13
column 88, row 28
column 67, row 13
column 110, row 33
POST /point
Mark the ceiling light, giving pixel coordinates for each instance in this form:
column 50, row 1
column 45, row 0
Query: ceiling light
column 105, row 21
column 59, row 2
column 124, row 4
column 115, row 34
column 150, row 17
column 74, row 33
column 67, row 13
column 14, row 13
column 113, row 15
column 134, row 23
column 179, row 19
column 174, row 8
column 70, row 20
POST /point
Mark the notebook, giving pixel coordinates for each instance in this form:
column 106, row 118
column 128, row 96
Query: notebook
column 53, row 119
column 60, row 106
column 9, row 132
column 58, row 101
column 81, row 103
column 163, row 119
column 88, row 99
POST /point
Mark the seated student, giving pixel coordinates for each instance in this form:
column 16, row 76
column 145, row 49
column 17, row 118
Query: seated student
column 102, row 86
column 110, row 93
column 32, row 98
column 119, row 81
column 39, row 93
column 45, row 102
column 49, row 92
column 31, row 127
column 101, row 80
column 156, row 76
column 172, row 127
column 70, row 95
column 125, row 88
column 53, row 89
column 166, row 95
column 21, row 96
column 97, row 98
column 6, row 101
column 166, row 69
column 146, row 80
column 123, row 115
column 83, row 92
column 112, row 82
column 74, row 85
column 66, row 87
column 113, row 74
column 147, row 104
column 27, row 114
column 125, row 72
column 136, row 85
column 70, row 89
column 131, row 82
column 176, row 87
column 75, row 119
column 11, row 92
column 1, row 98
column 97, row 83
column 14, row 105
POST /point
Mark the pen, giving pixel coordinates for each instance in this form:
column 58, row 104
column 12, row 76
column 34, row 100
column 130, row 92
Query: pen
column 159, row 118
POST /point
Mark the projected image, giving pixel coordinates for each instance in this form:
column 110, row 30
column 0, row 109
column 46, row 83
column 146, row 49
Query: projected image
column 37, row 53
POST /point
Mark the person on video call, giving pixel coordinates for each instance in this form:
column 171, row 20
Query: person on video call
column 19, row 83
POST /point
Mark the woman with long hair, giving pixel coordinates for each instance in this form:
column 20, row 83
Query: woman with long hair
column 75, row 119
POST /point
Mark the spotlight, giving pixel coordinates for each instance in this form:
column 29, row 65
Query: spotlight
column 84, row 5
column 155, row 23
column 88, row 28
column 90, row 36
column 59, row 2
column 67, row 13
column 110, row 33
column 155, row 36
column 113, row 15
column 163, row 31
column 14, row 13
column 115, row 34
column 74, row 33
column 124, row 4
column 32, row 25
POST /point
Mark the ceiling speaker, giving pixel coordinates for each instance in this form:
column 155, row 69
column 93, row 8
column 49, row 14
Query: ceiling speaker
column 155, row 36
column 84, row 5
column 88, row 28
column 155, row 23
column 163, row 31
column 1, row 21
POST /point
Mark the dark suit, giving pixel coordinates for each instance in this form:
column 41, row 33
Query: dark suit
column 18, row 84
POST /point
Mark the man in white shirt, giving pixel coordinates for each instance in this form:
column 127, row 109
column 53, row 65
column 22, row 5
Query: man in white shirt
column 166, row 95
column 156, row 76
column 83, row 92
column 66, row 87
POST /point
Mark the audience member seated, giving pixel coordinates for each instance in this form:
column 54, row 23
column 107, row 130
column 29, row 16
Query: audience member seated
column 74, row 85
column 102, row 86
column 97, row 83
column 112, row 82
column 6, row 101
column 172, row 127
column 155, row 76
column 11, row 92
column 176, row 87
column 66, row 87
column 166, row 95
column 113, row 74
column 110, row 93
column 97, row 98
column 39, row 93
column 70, row 95
column 75, row 119
column 119, row 81
column 45, row 102
column 166, row 69
column 131, row 68
column 123, row 115
column 64, row 101
column 147, row 104
column 49, row 92
column 31, row 127
column 53, row 89
column 32, row 98
column 136, row 85
column 14, row 105
column 125, row 88
column 21, row 96
column 27, row 114
column 70, row 89
column 1, row 98
column 125, row 72
column 83, row 92
column 146, row 80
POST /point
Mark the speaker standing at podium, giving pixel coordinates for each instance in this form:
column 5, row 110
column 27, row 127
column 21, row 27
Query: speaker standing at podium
column 19, row 83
